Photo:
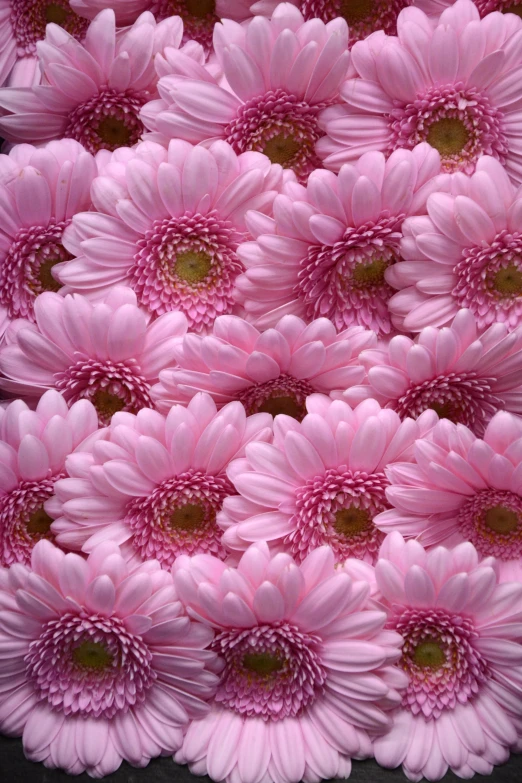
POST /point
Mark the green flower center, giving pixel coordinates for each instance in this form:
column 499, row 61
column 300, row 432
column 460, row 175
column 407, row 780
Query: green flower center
column 429, row 655
column 369, row 275
column 449, row 136
column 281, row 149
column 352, row 521
column 508, row 281
column 501, row 519
column 263, row 664
column 188, row 518
column 39, row 523
column 92, row 655
column 192, row 266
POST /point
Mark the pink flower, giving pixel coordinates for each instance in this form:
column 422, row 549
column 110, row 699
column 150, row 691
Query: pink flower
column 326, row 251
column 41, row 190
column 463, row 655
column 463, row 376
column 33, row 449
column 307, row 676
column 364, row 17
column 91, row 92
column 106, row 352
column 322, row 480
column 279, row 74
column 451, row 83
column 98, row 663
column 199, row 16
column 155, row 484
column 485, row 7
column 169, row 224
column 462, row 488
column 272, row 371
column 22, row 26
column 465, row 254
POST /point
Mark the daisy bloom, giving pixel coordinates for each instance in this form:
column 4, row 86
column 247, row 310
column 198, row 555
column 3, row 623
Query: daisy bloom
column 47, row 186
column 98, row 663
column 466, row 253
column 155, row 484
column 308, row 675
column 363, row 16
column 463, row 656
column 451, row 83
column 279, row 74
column 272, row 371
column 199, row 16
column 321, row 481
column 33, row 447
column 462, row 375
column 90, row 92
column 106, row 352
column 169, row 224
column 462, row 488
column 22, row 25
column 326, row 251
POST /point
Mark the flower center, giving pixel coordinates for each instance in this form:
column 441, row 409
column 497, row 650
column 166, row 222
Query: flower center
column 355, row 10
column 351, row 521
column 188, row 263
column 107, row 404
column 30, row 17
column 429, row 654
column 363, row 16
column 39, row 524
column 512, row 9
column 501, row 520
column 286, row 395
column 92, row 655
column 337, row 509
column 508, row 281
column 281, row 149
column 45, row 277
column 179, row 517
column 282, row 127
column 114, row 133
column 193, row 267
column 108, row 120
column 189, row 517
column 448, row 136
column 492, row 521
column 56, row 14
column 271, row 671
column 370, row 275
column 200, row 8
column 262, row 664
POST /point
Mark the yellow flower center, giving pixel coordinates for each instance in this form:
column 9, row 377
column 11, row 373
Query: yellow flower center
column 369, row 275
column 449, row 136
column 281, row 149
column 508, row 281
column 188, row 518
column 429, row 655
column 501, row 519
column 351, row 521
column 192, row 266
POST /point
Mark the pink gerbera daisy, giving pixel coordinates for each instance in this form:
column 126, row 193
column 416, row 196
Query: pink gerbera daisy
column 485, row 7
column 322, row 480
column 363, row 16
column 462, row 654
column 98, row 663
column 467, row 253
column 169, row 225
column 453, row 84
column 199, row 16
column 46, row 188
column 461, row 374
column 460, row 488
column 91, row 92
column 329, row 245
column 279, row 74
column 156, row 484
column 22, row 25
column 272, row 371
column 307, row 675
column 33, row 449
column 105, row 353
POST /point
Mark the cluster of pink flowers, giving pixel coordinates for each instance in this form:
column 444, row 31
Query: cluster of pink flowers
column 261, row 385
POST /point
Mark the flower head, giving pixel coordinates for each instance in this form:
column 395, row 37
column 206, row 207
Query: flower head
column 462, row 488
column 168, row 226
column 156, row 484
column 307, row 671
column 104, row 352
column 90, row 92
column 424, row 86
column 41, row 190
column 279, row 75
column 462, row 375
column 462, row 654
column 326, row 252
column 322, row 480
column 34, row 445
column 466, row 253
column 272, row 371
column 99, row 663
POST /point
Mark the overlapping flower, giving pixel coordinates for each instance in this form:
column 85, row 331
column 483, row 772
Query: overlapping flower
column 261, row 385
